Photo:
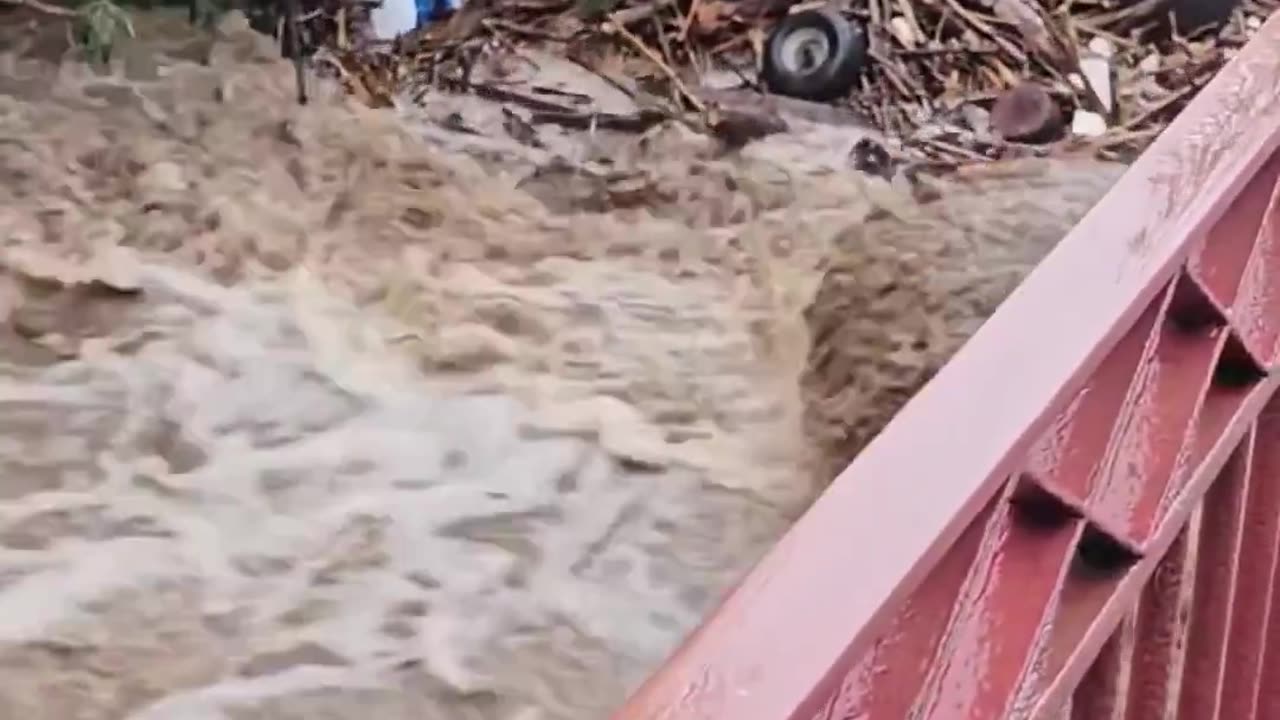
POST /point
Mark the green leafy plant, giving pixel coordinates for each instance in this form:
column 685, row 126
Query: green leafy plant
column 98, row 25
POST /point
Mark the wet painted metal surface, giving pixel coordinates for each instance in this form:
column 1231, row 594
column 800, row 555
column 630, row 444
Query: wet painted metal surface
column 1091, row 534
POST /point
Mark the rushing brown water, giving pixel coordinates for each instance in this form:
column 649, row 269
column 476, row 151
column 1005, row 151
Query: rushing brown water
column 309, row 417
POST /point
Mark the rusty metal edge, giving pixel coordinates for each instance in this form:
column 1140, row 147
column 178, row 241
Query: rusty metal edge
column 777, row 643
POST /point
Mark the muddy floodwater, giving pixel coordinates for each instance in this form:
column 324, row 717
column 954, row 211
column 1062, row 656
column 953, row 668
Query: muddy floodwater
column 328, row 412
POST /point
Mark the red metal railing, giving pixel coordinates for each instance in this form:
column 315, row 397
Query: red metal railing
column 1078, row 518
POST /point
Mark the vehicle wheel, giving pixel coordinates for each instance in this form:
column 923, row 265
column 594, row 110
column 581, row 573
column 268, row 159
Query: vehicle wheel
column 814, row 55
column 1195, row 14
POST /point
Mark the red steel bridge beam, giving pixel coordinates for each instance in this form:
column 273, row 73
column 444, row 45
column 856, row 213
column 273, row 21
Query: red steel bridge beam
column 1078, row 517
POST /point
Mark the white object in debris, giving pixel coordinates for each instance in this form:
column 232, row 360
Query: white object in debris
column 1088, row 124
column 1102, row 47
column 394, row 18
column 1097, row 72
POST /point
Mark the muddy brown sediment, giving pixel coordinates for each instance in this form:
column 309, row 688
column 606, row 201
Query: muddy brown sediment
column 398, row 427
column 904, row 292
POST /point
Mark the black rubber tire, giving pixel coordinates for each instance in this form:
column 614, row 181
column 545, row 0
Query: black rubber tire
column 1196, row 14
column 832, row 76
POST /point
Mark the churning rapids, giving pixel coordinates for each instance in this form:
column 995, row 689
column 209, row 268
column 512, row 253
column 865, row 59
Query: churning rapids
column 379, row 436
column 305, row 416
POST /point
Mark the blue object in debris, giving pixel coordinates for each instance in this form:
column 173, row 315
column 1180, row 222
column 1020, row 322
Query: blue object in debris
column 430, row 11
column 393, row 18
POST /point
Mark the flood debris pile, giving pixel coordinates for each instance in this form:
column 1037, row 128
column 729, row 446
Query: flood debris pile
column 963, row 80
column 980, row 79
column 946, row 81
column 949, row 81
